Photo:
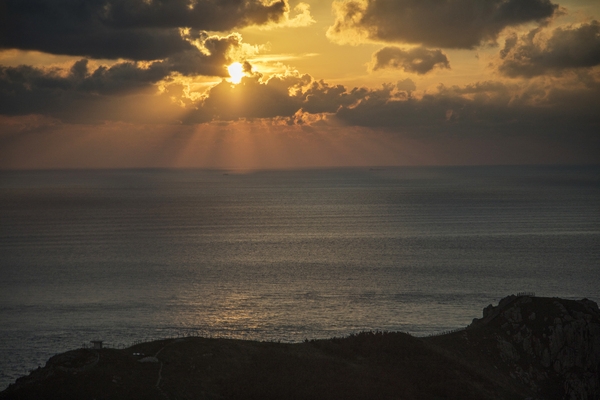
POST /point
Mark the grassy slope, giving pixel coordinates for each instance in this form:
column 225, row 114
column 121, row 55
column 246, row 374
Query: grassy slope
column 364, row 366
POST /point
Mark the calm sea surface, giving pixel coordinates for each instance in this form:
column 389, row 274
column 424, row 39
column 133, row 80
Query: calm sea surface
column 288, row 255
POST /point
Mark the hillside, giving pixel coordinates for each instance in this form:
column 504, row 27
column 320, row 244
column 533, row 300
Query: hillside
column 524, row 348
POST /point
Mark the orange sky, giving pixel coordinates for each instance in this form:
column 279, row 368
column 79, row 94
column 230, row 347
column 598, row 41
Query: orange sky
column 141, row 83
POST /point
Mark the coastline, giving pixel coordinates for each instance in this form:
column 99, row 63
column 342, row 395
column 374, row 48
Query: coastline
column 525, row 347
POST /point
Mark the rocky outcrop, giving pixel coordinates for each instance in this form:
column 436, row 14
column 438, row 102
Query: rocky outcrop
column 550, row 345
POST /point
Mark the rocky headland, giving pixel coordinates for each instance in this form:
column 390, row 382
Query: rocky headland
column 526, row 347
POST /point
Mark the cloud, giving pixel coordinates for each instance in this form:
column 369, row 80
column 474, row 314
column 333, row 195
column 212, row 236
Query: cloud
column 27, row 89
column 67, row 93
column 320, row 97
column 251, row 98
column 120, row 92
column 287, row 96
column 570, row 47
column 301, row 19
column 129, row 29
column 445, row 23
column 406, row 85
column 418, row 60
column 551, row 108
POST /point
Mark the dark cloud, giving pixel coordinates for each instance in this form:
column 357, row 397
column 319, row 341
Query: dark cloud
column 442, row 110
column 121, row 78
column 566, row 48
column 418, row 60
column 320, row 97
column 28, row 90
column 130, row 29
column 212, row 15
column 443, row 23
column 483, row 108
column 25, row 89
column 63, row 94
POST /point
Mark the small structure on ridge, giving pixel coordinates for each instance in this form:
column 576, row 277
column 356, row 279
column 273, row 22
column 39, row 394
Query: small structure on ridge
column 96, row 344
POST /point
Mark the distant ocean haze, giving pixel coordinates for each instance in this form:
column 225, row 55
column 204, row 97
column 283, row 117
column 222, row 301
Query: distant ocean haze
column 123, row 255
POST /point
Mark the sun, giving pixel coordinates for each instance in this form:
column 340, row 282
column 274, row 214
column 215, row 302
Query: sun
column 236, row 71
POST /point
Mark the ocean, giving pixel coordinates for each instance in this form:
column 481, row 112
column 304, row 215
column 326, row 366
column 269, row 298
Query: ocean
column 127, row 255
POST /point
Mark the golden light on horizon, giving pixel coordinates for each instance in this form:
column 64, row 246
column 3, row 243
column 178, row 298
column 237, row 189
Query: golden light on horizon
column 236, row 71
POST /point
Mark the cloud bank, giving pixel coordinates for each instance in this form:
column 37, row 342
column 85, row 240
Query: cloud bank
column 129, row 29
column 491, row 106
column 462, row 24
column 567, row 48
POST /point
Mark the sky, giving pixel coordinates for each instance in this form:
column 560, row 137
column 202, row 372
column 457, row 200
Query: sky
column 261, row 84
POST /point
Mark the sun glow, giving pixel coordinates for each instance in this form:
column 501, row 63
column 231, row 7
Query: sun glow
column 236, row 71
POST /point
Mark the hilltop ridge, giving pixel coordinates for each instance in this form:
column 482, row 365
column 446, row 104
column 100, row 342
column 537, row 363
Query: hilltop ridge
column 526, row 347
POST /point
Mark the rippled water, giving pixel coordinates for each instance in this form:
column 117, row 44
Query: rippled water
column 286, row 255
